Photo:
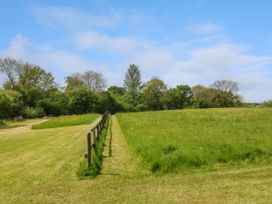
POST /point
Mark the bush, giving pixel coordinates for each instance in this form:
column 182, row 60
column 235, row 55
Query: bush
column 30, row 112
column 2, row 124
column 10, row 104
column 141, row 107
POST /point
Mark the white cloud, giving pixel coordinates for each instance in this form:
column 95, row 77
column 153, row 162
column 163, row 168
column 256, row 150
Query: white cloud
column 206, row 28
column 71, row 18
column 205, row 65
column 96, row 18
column 114, row 44
column 17, row 47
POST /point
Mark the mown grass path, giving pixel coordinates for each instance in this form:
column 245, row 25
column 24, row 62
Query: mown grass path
column 123, row 161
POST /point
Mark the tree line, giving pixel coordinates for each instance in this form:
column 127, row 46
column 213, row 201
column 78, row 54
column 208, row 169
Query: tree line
column 30, row 91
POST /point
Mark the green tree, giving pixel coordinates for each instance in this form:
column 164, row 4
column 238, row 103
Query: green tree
column 82, row 101
column 74, row 82
column 117, row 90
column 226, row 93
column 178, row 97
column 203, row 97
column 31, row 76
column 10, row 104
column 153, row 94
column 132, row 84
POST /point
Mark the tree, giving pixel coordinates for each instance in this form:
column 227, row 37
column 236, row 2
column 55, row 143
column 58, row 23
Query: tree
column 74, row 82
column 94, row 81
column 10, row 67
column 226, row 86
column 132, row 83
column 226, row 93
column 10, row 104
column 33, row 76
column 203, row 97
column 153, row 93
column 82, row 101
column 117, row 90
column 178, row 97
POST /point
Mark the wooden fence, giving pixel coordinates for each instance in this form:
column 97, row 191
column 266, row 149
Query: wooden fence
column 93, row 136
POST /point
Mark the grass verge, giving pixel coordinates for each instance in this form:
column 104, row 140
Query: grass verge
column 64, row 121
column 96, row 158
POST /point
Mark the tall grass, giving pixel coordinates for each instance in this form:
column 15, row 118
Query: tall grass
column 64, row 121
column 170, row 141
column 96, row 157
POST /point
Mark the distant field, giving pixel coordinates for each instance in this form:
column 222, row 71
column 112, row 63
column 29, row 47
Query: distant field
column 64, row 121
column 170, row 141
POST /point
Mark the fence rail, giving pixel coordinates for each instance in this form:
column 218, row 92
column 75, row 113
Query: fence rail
column 93, row 136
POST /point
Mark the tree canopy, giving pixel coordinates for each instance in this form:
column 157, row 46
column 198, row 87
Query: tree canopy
column 30, row 91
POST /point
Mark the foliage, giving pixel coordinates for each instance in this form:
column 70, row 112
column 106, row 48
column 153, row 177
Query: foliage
column 74, row 82
column 116, row 90
column 10, row 104
column 106, row 102
column 57, row 104
column 132, row 84
column 141, row 107
column 170, row 141
column 30, row 112
column 152, row 95
column 82, row 101
column 30, row 89
column 179, row 97
column 2, row 124
column 91, row 80
column 209, row 97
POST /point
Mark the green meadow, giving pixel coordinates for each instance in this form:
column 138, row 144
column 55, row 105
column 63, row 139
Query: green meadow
column 170, row 141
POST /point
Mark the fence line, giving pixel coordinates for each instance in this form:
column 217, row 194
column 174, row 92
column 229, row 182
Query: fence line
column 96, row 132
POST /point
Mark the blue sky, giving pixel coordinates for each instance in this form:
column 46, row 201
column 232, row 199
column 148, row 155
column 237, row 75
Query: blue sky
column 182, row 42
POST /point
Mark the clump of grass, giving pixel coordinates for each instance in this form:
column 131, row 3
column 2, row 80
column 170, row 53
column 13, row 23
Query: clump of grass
column 64, row 121
column 96, row 158
column 170, row 141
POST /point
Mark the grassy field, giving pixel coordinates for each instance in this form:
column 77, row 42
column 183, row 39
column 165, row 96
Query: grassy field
column 170, row 141
column 39, row 167
column 65, row 121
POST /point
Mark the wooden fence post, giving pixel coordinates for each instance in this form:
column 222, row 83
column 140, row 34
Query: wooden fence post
column 94, row 138
column 89, row 150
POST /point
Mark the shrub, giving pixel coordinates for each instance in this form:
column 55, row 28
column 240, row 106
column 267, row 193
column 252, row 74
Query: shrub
column 2, row 124
column 30, row 112
column 141, row 107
